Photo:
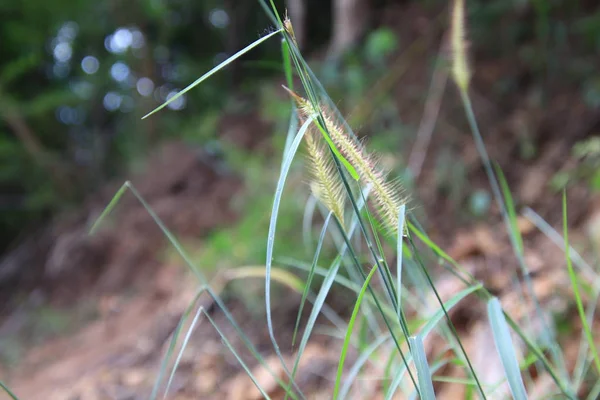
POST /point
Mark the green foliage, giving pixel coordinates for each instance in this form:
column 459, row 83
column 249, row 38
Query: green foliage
column 76, row 76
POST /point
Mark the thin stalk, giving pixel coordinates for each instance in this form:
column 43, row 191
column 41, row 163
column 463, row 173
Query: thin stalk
column 377, row 304
column 388, row 280
column 576, row 292
column 479, row 144
column 450, row 324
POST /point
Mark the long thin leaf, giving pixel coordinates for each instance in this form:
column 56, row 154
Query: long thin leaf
column 214, row 70
column 8, row 391
column 360, row 362
column 346, row 344
column 311, row 274
column 432, row 322
column 109, row 208
column 217, row 300
column 172, row 344
column 506, row 349
column 285, row 168
column 423, row 372
column 576, row 292
column 401, row 214
column 188, row 335
column 237, row 357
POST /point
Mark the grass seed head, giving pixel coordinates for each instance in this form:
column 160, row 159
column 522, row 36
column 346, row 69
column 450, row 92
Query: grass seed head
column 387, row 195
column 458, row 44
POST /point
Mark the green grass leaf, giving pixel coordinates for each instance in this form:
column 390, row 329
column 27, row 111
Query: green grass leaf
column 172, row 344
column 214, row 70
column 186, row 340
column 423, row 372
column 432, row 322
column 109, row 208
column 351, row 323
column 401, row 214
column 510, row 209
column 576, row 291
column 8, row 391
column 505, row 349
column 311, row 274
column 285, row 168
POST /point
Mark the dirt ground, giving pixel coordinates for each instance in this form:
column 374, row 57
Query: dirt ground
column 137, row 298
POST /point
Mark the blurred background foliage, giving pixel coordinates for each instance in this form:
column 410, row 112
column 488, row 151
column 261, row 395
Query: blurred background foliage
column 77, row 76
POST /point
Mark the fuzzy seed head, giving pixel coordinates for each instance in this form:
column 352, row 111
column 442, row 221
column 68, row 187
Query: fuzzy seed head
column 388, row 196
column 458, row 44
column 325, row 183
column 287, row 24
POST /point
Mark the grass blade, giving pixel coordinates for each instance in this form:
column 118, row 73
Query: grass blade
column 428, row 327
column 277, row 274
column 218, row 301
column 287, row 65
column 510, row 209
column 506, row 349
column 401, row 214
column 236, row 355
column 575, row 285
column 171, row 349
column 109, row 208
column 344, row 351
column 360, row 361
column 285, row 168
column 8, row 391
column 214, row 70
column 310, row 277
column 188, row 335
column 307, row 218
column 423, row 372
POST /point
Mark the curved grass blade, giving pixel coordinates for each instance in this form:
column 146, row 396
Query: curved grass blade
column 360, row 361
column 285, row 168
column 109, row 207
column 188, row 335
column 236, row 355
column 547, row 334
column 292, row 129
column 346, row 344
column 576, row 291
column 307, row 218
column 559, row 241
column 218, row 301
column 442, row 254
column 450, row 324
column 280, row 275
column 214, row 70
column 506, row 349
column 428, row 327
column 423, row 372
column 8, row 391
column 311, row 274
column 171, row 349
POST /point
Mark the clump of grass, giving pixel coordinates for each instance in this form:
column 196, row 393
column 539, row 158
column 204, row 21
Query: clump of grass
column 327, row 154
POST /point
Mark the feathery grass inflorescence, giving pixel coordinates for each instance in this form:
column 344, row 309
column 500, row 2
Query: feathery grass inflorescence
column 458, row 44
column 388, row 195
column 325, row 182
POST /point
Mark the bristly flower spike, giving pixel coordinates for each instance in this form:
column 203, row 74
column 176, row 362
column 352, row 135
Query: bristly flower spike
column 458, row 43
column 388, row 196
column 325, row 183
